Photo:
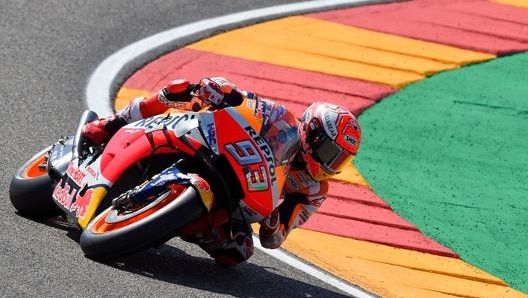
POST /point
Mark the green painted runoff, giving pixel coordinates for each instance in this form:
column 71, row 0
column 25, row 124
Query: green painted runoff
column 450, row 154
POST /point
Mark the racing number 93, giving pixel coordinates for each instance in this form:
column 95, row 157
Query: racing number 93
column 247, row 155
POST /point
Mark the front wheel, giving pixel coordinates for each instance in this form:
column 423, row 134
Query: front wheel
column 31, row 187
column 116, row 233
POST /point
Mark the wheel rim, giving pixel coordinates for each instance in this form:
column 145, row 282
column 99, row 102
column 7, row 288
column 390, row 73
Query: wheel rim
column 35, row 169
column 112, row 219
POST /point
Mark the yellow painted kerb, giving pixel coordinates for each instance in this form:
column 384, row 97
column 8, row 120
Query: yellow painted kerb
column 519, row 3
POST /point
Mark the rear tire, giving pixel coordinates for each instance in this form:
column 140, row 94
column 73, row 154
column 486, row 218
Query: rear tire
column 112, row 234
column 31, row 188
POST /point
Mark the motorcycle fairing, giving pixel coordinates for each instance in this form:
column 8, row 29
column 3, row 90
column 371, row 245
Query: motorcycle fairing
column 139, row 139
column 86, row 182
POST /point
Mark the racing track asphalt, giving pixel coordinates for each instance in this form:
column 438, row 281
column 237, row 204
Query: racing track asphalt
column 49, row 49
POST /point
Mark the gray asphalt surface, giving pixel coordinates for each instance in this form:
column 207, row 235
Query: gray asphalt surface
column 49, row 49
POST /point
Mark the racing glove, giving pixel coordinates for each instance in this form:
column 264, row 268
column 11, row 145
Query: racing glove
column 176, row 91
column 217, row 92
column 177, row 95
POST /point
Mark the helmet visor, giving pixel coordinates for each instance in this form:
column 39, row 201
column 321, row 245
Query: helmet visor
column 331, row 156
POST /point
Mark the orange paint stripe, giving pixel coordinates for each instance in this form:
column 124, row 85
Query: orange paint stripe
column 518, row 3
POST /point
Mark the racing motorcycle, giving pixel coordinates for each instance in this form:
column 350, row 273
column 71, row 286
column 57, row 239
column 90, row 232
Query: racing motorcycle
column 158, row 176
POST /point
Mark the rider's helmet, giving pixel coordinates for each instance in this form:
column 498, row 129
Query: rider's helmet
column 330, row 136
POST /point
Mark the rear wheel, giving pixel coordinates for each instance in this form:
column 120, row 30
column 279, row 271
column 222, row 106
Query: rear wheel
column 116, row 233
column 30, row 189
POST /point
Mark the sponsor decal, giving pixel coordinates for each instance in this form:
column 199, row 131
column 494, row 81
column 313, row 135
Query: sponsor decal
column 251, row 95
column 204, row 189
column 81, row 203
column 330, row 125
column 126, row 113
column 211, row 134
column 352, row 123
column 305, row 179
column 132, row 131
column 303, row 216
column 293, row 183
column 260, row 109
column 72, row 193
column 251, row 103
column 64, row 194
column 263, row 109
column 76, row 174
column 91, row 172
column 171, row 121
column 351, row 140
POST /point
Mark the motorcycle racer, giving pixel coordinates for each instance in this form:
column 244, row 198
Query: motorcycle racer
column 329, row 138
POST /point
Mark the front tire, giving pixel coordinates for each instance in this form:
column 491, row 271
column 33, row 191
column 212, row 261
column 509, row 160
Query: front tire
column 30, row 189
column 115, row 233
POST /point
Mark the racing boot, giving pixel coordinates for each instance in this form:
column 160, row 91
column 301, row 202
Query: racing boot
column 237, row 250
column 272, row 232
column 100, row 131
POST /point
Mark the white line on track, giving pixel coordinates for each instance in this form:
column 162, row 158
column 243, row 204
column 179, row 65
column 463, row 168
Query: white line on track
column 100, row 84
